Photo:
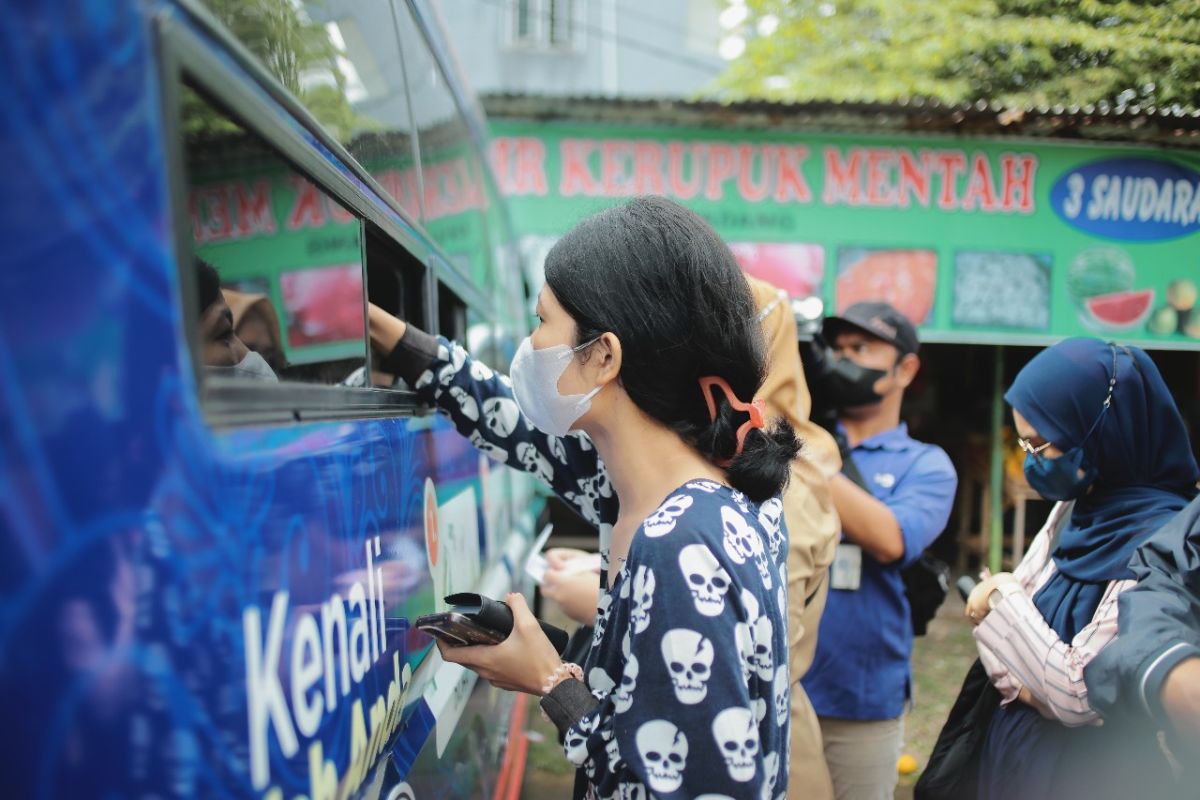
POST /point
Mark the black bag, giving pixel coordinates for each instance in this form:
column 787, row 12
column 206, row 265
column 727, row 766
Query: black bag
column 926, row 581
column 579, row 645
column 953, row 769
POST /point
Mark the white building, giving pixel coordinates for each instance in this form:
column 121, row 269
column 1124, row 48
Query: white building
column 625, row 48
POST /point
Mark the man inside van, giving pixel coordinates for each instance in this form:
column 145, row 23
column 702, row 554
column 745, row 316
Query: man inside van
column 860, row 680
column 223, row 353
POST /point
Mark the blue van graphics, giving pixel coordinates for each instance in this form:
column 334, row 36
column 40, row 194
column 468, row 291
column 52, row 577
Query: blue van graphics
column 1130, row 199
column 206, row 588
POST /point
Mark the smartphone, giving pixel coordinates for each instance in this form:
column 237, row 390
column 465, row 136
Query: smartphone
column 457, row 630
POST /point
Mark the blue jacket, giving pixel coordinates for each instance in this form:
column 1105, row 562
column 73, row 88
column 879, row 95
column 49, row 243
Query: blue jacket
column 1159, row 622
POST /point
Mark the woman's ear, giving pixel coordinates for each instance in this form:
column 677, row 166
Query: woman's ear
column 607, row 358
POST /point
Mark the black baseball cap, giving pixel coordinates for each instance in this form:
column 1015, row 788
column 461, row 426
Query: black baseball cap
column 881, row 320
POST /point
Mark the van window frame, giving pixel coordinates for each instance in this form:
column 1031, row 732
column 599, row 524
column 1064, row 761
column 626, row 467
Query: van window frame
column 387, row 211
column 254, row 100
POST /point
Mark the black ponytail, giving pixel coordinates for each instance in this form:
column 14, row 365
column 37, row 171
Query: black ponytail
column 657, row 276
column 762, row 469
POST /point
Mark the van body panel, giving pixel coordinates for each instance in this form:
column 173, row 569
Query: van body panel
column 192, row 604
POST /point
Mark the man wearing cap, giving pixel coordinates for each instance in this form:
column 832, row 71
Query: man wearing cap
column 861, row 680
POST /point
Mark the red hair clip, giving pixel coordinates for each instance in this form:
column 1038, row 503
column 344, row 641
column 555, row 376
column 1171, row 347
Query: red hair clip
column 754, row 409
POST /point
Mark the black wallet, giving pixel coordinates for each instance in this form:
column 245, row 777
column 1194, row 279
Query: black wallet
column 497, row 616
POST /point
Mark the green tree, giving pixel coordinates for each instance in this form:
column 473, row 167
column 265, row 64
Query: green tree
column 1018, row 52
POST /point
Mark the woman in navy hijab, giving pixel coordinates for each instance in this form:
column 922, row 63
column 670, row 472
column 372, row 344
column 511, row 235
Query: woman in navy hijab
column 1102, row 437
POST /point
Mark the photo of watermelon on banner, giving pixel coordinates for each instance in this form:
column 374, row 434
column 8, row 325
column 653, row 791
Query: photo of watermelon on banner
column 1103, row 283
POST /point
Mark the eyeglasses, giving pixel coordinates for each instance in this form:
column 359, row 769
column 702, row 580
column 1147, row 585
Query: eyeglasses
column 1036, row 452
column 1028, row 447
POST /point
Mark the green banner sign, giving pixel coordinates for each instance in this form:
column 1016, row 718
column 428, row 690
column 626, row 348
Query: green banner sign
column 990, row 241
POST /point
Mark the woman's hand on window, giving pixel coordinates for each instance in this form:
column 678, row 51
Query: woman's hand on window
column 385, row 330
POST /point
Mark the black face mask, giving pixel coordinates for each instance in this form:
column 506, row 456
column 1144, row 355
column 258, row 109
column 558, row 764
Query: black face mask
column 845, row 384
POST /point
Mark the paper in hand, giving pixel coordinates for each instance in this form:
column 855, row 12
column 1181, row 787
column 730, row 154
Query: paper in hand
column 535, row 564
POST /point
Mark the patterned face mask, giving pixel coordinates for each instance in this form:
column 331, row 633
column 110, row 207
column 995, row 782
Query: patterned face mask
column 535, row 375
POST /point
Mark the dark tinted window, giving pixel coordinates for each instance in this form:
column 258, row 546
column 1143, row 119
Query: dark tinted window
column 452, row 315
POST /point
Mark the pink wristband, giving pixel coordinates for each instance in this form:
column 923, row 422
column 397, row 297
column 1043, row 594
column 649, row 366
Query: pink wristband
column 561, row 673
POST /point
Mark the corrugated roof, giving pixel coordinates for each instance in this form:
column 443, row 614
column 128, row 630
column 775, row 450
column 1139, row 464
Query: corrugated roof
column 1172, row 126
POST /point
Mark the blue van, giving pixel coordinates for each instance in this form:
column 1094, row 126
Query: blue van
column 218, row 514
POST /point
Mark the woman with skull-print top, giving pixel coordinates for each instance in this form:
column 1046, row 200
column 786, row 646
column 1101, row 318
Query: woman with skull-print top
column 685, row 691
column 701, row 683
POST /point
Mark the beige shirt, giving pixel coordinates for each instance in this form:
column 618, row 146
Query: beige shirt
column 812, row 522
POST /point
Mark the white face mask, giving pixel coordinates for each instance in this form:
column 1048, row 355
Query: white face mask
column 535, row 375
column 253, row 366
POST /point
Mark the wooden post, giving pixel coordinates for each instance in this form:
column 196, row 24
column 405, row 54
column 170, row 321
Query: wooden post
column 996, row 501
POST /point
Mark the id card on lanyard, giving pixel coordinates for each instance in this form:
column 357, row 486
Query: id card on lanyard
column 846, row 571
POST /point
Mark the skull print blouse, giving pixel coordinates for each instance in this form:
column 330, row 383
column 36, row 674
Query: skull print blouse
column 688, row 665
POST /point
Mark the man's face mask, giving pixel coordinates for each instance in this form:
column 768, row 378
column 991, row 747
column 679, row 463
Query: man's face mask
column 253, row 367
column 844, row 383
column 535, row 374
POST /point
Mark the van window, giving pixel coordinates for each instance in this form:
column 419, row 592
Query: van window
column 325, row 62
column 486, row 341
column 454, row 198
column 507, row 277
column 278, row 263
column 395, row 279
column 396, row 283
column 343, row 63
column 378, row 38
column 452, row 314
